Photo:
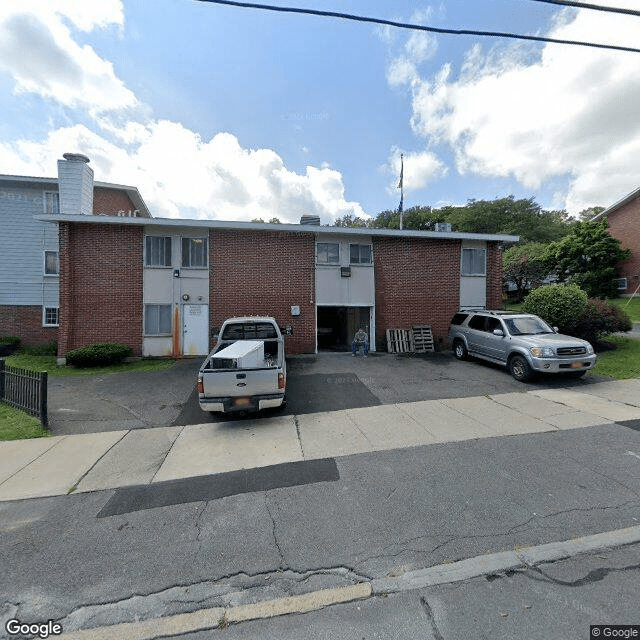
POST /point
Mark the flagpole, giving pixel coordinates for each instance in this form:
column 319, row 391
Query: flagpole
column 401, row 186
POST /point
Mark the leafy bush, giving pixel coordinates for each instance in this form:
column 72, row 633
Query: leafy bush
column 567, row 307
column 600, row 319
column 101, row 354
column 557, row 304
column 46, row 349
column 14, row 341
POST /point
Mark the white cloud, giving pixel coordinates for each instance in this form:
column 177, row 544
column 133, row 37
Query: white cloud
column 178, row 174
column 420, row 169
column 38, row 51
column 181, row 175
column 570, row 111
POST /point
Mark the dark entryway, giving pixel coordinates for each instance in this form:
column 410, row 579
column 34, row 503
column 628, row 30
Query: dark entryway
column 338, row 325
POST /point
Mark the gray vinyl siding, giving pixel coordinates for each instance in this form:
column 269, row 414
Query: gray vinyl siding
column 23, row 242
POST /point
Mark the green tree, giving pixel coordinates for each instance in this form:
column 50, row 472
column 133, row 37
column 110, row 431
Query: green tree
column 271, row 221
column 523, row 217
column 416, row 218
column 523, row 266
column 589, row 257
column 349, row 220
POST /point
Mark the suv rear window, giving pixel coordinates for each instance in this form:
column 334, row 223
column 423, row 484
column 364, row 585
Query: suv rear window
column 459, row 318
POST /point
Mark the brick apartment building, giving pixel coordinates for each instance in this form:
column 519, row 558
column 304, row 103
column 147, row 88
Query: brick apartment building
column 29, row 251
column 164, row 286
column 624, row 225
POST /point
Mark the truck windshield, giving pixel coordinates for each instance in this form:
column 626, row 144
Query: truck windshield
column 249, row 331
column 526, row 326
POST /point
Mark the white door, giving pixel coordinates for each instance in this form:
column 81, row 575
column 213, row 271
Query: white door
column 195, row 341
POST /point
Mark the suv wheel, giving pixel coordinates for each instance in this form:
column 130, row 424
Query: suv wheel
column 459, row 350
column 520, row 369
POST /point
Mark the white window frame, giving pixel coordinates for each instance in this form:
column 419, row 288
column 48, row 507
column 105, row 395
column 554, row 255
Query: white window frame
column 204, row 239
column 327, row 262
column 158, row 334
column 471, row 272
column 147, row 256
column 44, row 266
column 51, row 202
column 44, row 317
column 622, row 284
column 359, row 245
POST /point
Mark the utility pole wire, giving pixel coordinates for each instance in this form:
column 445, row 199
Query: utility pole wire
column 417, row 27
column 595, row 7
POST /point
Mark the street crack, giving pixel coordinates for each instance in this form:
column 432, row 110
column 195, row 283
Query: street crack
column 432, row 619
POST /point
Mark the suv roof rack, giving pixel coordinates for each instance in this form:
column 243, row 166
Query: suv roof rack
column 493, row 312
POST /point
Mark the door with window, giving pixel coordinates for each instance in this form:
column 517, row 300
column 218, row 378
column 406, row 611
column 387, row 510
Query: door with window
column 195, row 339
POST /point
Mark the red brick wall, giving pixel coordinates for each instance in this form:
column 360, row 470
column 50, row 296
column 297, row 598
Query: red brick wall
column 417, row 283
column 100, row 285
column 26, row 323
column 624, row 225
column 494, row 276
column 110, row 201
column 264, row 274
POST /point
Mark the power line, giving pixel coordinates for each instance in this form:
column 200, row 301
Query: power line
column 595, row 7
column 417, row 27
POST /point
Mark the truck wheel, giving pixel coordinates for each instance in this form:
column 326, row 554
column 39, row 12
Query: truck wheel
column 459, row 350
column 520, row 369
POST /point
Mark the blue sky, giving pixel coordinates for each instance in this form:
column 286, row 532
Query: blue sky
column 227, row 113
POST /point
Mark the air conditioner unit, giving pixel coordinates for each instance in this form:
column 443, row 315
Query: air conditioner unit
column 443, row 227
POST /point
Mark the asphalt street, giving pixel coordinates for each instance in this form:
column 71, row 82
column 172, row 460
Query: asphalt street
column 555, row 601
column 384, row 514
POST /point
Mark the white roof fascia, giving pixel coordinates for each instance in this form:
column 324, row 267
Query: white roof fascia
column 230, row 225
column 617, row 205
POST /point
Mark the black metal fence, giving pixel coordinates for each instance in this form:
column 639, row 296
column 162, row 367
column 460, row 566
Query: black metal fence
column 25, row 389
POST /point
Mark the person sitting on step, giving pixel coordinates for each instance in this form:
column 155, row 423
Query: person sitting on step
column 360, row 339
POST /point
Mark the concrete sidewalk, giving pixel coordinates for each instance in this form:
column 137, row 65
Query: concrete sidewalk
column 95, row 461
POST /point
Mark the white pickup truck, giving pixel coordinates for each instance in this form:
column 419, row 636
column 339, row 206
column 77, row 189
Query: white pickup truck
column 246, row 371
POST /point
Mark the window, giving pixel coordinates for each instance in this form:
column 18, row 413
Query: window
column 474, row 262
column 51, row 263
column 157, row 251
column 621, row 284
column 50, row 316
column 328, row 253
column 51, row 202
column 194, row 252
column 251, row 331
column 360, row 253
column 157, row 319
column 477, row 323
column 459, row 318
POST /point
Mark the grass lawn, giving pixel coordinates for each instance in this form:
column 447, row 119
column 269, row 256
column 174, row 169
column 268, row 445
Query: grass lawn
column 18, row 425
column 631, row 306
column 622, row 363
column 48, row 364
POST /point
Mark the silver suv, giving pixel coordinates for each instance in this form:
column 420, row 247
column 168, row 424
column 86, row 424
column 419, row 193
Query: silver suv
column 522, row 342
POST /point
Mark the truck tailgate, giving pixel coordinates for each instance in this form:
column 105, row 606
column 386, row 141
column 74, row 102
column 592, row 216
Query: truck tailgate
column 224, row 383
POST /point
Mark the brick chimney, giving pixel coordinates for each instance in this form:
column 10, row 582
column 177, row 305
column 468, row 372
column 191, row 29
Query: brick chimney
column 75, row 185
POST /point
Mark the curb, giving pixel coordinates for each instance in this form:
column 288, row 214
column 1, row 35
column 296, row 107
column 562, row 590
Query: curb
column 219, row 617
column 206, row 619
column 504, row 561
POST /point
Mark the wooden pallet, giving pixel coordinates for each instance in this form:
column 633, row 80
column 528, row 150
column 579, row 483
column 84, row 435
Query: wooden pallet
column 399, row 341
column 423, row 339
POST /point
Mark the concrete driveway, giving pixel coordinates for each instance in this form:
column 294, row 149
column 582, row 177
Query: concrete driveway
column 316, row 383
